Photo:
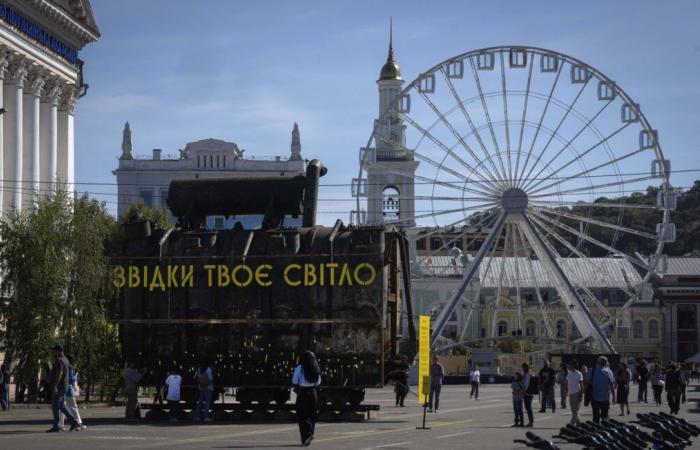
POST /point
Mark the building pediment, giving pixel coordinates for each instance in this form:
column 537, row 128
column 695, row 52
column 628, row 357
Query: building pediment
column 212, row 146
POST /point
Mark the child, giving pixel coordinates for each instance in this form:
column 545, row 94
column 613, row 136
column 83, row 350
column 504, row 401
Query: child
column 173, row 381
column 518, row 393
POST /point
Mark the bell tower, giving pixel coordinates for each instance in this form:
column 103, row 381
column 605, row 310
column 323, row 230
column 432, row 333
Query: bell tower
column 391, row 168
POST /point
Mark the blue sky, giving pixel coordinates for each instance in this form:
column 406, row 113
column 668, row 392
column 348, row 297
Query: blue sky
column 245, row 71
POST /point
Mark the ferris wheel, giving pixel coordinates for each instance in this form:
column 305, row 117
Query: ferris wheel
column 543, row 163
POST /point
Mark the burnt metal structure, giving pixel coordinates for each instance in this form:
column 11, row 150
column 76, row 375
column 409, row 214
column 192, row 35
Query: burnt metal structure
column 251, row 300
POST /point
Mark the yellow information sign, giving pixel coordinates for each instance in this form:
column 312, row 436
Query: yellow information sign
column 423, row 358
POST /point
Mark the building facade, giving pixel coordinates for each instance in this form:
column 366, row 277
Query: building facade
column 42, row 78
column 147, row 178
column 679, row 291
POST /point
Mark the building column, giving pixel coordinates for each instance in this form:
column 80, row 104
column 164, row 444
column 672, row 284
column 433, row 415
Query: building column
column 49, row 133
column 4, row 62
column 34, row 88
column 18, row 76
column 66, row 141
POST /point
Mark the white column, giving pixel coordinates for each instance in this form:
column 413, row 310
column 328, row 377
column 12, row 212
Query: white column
column 66, row 142
column 18, row 75
column 33, row 90
column 49, row 133
column 4, row 61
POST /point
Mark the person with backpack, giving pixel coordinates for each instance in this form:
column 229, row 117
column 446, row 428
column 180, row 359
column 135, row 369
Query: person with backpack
column 673, row 387
column 600, row 385
column 306, row 380
column 547, row 378
column 205, row 382
column 531, row 389
column 657, row 383
column 173, row 382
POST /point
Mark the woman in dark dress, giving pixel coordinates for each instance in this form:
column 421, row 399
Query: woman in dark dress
column 306, row 380
column 622, row 377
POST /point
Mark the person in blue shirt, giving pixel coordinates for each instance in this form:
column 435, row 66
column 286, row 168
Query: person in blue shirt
column 306, row 379
column 602, row 382
column 205, row 381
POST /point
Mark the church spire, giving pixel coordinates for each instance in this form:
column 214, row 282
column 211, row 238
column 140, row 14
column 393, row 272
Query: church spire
column 126, row 142
column 296, row 144
column 390, row 71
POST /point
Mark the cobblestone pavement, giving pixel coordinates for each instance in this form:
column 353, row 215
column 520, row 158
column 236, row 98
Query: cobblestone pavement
column 460, row 423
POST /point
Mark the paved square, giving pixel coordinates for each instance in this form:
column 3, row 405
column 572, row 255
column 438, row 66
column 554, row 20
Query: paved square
column 460, row 423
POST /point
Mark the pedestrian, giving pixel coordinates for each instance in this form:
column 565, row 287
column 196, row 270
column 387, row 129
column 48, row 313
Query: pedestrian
column 4, row 388
column 400, row 378
column 475, row 381
column 574, row 386
column 72, row 394
column 531, row 388
column 643, row 374
column 561, row 381
column 306, row 380
column 132, row 376
column 205, row 382
column 173, row 382
column 601, row 383
column 59, row 381
column 547, row 377
column 657, row 383
column 622, row 378
column 673, row 387
column 518, row 391
column 437, row 373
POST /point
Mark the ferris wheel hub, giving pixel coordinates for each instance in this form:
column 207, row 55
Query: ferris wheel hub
column 514, row 200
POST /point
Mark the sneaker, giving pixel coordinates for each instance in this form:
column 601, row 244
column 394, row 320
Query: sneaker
column 76, row 427
column 430, row 409
column 208, row 419
column 308, row 440
column 83, row 426
column 515, row 425
column 54, row 430
column 529, row 425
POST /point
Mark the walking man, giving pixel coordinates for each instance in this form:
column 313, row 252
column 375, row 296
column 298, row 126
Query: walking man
column 674, row 381
column 131, row 386
column 205, row 381
column 475, row 380
column 531, row 388
column 602, row 383
column 173, row 381
column 574, row 385
column 59, row 379
column 437, row 373
column 561, row 380
column 547, row 378
column 643, row 375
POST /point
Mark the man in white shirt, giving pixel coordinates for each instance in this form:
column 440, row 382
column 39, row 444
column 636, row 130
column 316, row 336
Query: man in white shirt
column 474, row 380
column 173, row 381
column 574, row 384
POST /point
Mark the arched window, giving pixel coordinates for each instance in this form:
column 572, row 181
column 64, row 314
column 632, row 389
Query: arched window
column 530, row 328
column 502, row 328
column 390, row 204
column 638, row 329
column 561, row 329
column 653, row 329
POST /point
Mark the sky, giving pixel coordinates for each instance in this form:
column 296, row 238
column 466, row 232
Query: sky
column 180, row 71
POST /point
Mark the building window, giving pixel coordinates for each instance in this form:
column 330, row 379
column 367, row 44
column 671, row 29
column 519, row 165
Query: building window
column 638, row 329
column 199, row 164
column 224, row 164
column 653, row 329
column 217, row 161
column 561, row 329
column 218, row 223
column 164, row 198
column 530, row 328
column 146, row 197
column 687, row 317
column 390, row 204
column 420, row 244
column 502, row 328
column 435, row 243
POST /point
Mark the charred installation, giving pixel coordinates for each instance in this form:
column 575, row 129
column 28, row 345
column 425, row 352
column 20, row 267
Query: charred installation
column 251, row 300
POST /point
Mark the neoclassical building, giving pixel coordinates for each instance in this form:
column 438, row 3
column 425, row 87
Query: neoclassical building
column 42, row 78
column 147, row 178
